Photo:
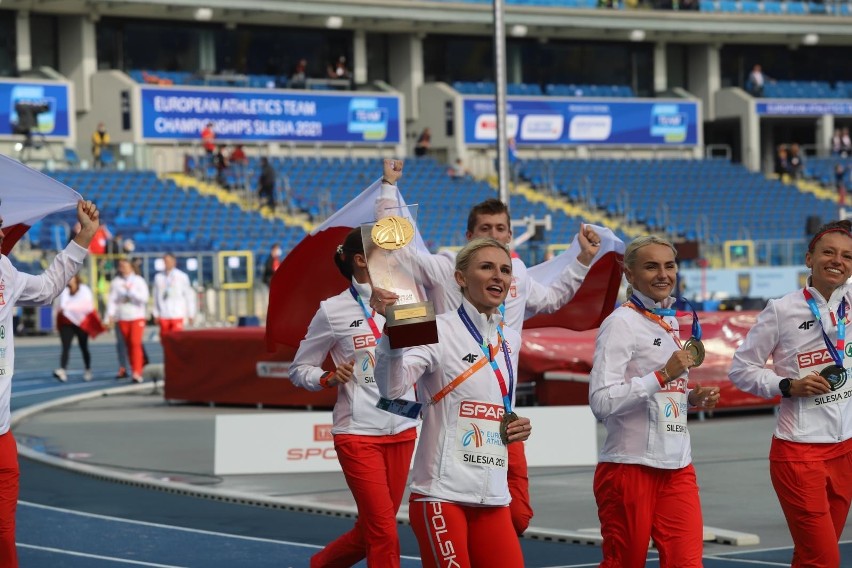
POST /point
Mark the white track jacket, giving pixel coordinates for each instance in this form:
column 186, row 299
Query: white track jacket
column 20, row 289
column 127, row 298
column 174, row 297
column 460, row 456
column 787, row 331
column 645, row 423
column 341, row 328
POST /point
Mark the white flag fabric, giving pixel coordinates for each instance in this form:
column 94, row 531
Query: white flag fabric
column 27, row 195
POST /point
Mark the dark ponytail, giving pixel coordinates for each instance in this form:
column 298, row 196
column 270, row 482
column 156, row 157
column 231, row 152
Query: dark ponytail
column 344, row 256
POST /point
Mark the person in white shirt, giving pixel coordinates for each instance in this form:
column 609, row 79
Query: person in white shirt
column 810, row 460
column 459, row 489
column 373, row 446
column 128, row 298
column 525, row 298
column 174, row 297
column 645, row 485
column 18, row 287
column 76, row 303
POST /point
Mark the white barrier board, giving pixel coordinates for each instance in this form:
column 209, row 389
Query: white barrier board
column 301, row 442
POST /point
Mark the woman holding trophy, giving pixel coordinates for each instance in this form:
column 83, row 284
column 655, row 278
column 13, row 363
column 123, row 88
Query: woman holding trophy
column 374, row 447
column 810, row 460
column 645, row 484
column 459, row 490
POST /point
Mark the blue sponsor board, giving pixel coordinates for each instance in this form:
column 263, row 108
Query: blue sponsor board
column 576, row 121
column 803, row 108
column 50, row 99
column 181, row 114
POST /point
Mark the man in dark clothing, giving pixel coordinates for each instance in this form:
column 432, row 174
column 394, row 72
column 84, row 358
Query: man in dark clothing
column 266, row 183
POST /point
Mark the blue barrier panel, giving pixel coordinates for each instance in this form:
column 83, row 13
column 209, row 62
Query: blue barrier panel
column 589, row 122
column 51, row 99
column 180, row 114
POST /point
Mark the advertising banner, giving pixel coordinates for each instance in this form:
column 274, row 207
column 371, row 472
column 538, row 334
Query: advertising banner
column 803, row 108
column 43, row 107
column 181, row 114
column 577, row 121
column 761, row 282
column 291, row 442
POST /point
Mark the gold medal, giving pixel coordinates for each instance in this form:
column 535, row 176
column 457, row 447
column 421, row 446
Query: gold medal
column 392, row 233
column 508, row 418
column 695, row 348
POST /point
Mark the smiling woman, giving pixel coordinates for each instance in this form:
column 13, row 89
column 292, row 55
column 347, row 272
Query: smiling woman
column 810, row 460
column 484, row 274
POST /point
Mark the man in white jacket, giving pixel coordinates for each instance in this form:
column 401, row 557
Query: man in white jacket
column 17, row 288
column 128, row 297
column 174, row 298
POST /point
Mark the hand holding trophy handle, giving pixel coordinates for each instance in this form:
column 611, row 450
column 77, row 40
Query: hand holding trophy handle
column 380, row 299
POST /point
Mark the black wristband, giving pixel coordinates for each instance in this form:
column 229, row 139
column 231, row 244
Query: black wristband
column 387, row 181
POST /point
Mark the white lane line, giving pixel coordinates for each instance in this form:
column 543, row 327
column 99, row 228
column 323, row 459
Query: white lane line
column 172, row 527
column 99, row 557
column 56, row 388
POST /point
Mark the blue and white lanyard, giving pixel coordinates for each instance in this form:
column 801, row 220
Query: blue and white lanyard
column 506, row 392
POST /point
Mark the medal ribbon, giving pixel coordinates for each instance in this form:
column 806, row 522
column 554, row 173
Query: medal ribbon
column 636, row 305
column 838, row 351
column 696, row 325
column 376, row 333
column 489, row 353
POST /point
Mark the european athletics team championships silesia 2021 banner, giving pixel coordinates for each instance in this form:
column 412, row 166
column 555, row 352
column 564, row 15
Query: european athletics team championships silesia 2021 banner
column 560, row 121
column 181, row 114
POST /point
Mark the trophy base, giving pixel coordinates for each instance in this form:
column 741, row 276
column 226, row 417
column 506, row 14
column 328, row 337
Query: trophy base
column 411, row 324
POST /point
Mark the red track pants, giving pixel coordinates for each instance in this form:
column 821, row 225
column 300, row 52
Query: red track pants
column 637, row 502
column 167, row 325
column 376, row 469
column 9, row 474
column 133, row 330
column 519, row 488
column 815, row 497
column 451, row 535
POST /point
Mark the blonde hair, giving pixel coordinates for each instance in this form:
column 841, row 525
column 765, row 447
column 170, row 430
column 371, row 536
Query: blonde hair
column 632, row 251
column 465, row 255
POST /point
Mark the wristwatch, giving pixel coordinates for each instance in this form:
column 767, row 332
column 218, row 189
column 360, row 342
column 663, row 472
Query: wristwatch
column 785, row 385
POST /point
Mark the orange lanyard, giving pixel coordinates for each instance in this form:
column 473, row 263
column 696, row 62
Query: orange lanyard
column 459, row 380
column 656, row 319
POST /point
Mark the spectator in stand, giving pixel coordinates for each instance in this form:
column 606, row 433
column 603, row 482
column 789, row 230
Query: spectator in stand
column 78, row 318
column 457, row 170
column 100, row 141
column 238, row 163
column 756, row 81
column 797, row 162
column 271, row 264
column 208, row 140
column 266, row 183
column 424, row 141
column 174, row 297
column 221, row 162
column 845, row 142
column 299, row 76
column 782, row 162
column 128, row 298
column 840, row 178
column 339, row 70
column 836, row 143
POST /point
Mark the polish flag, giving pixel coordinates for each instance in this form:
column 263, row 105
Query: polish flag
column 308, row 276
column 26, row 197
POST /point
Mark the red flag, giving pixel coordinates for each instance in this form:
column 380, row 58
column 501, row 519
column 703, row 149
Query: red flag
column 92, row 325
column 308, row 274
column 27, row 196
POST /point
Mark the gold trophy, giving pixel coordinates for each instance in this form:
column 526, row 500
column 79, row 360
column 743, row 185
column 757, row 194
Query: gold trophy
column 389, row 249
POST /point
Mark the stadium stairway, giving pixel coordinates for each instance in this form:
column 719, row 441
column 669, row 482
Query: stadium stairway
column 238, row 198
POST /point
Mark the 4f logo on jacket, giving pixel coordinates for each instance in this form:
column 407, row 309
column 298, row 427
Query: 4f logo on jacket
column 658, row 342
column 806, row 324
column 356, row 323
column 470, row 358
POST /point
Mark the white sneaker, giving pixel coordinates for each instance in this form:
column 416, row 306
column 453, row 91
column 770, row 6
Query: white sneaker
column 61, row 375
column 137, row 378
column 87, row 375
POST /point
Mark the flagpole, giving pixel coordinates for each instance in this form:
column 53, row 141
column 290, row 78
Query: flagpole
column 500, row 103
